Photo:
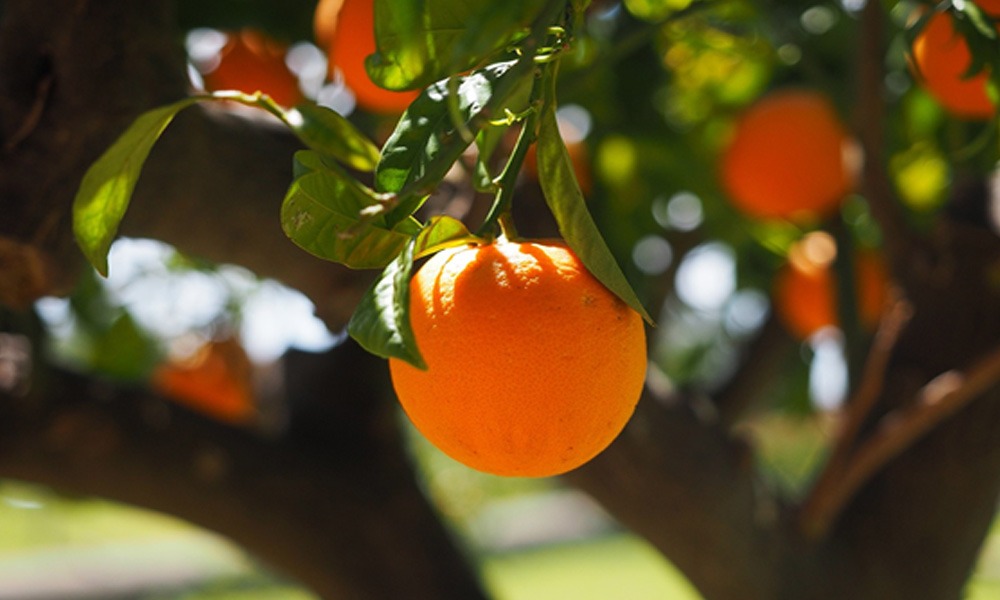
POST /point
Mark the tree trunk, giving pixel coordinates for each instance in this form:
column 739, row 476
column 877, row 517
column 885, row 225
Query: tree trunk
column 334, row 504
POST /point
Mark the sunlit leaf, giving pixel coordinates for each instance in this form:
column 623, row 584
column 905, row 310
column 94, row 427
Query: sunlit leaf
column 106, row 188
column 577, row 226
column 441, row 232
column 655, row 10
column 326, row 131
column 420, row 41
column 426, row 142
column 331, row 215
column 381, row 323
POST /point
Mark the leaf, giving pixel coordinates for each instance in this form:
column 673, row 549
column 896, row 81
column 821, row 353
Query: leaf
column 324, row 130
column 421, row 41
column 325, row 212
column 381, row 323
column 124, row 351
column 426, row 142
column 564, row 198
column 441, row 232
column 106, row 188
column 655, row 10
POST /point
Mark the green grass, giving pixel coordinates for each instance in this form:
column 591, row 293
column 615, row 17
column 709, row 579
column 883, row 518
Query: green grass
column 32, row 518
column 614, row 567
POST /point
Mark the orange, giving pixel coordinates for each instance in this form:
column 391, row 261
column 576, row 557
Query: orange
column 347, row 29
column 805, row 288
column 215, row 381
column 941, row 60
column 788, row 158
column 250, row 62
column 534, row 367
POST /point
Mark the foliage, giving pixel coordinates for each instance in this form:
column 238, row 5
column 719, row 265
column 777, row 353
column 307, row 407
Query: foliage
column 335, row 216
column 486, row 71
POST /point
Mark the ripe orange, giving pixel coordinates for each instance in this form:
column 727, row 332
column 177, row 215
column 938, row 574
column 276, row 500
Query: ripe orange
column 788, row 158
column 250, row 62
column 941, row 59
column 347, row 29
column 534, row 367
column 805, row 288
column 215, row 381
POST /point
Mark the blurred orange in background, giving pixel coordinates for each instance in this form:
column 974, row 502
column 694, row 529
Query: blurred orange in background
column 941, row 63
column 250, row 62
column 805, row 289
column 346, row 29
column 789, row 157
column 216, row 380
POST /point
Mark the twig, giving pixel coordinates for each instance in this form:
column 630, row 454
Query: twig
column 870, row 121
column 34, row 116
column 857, row 409
column 897, row 431
column 872, row 380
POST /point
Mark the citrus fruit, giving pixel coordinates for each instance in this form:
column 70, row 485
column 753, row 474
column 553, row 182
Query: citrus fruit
column 788, row 157
column 941, row 61
column 215, row 380
column 533, row 366
column 805, row 289
column 347, row 29
column 250, row 61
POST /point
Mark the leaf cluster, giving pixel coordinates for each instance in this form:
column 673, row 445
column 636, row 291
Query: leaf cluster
column 483, row 67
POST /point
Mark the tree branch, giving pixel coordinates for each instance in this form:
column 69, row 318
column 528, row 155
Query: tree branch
column 336, row 506
column 857, row 411
column 901, row 247
column 938, row 400
column 691, row 490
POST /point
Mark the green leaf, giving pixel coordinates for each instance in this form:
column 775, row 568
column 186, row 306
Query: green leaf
column 426, row 141
column 441, row 232
column 124, row 351
column 333, row 216
column 422, row 41
column 655, row 10
column 381, row 323
column 326, row 131
column 577, row 226
column 106, row 188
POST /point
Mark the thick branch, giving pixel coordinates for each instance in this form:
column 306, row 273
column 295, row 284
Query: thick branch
column 336, row 506
column 690, row 489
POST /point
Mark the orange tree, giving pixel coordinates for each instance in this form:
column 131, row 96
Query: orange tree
column 101, row 137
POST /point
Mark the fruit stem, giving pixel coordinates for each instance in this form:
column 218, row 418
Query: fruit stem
column 499, row 214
